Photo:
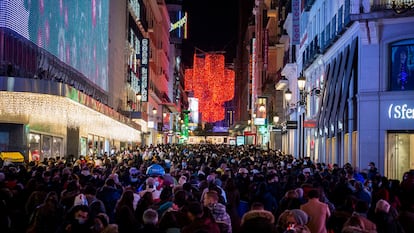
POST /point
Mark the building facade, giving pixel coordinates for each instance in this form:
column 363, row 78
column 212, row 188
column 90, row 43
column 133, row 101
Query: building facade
column 356, row 104
column 70, row 90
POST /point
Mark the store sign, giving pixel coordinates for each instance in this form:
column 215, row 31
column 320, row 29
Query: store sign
column 136, row 8
column 400, row 111
column 180, row 23
column 296, row 11
column 144, row 69
column 259, row 121
column 291, row 124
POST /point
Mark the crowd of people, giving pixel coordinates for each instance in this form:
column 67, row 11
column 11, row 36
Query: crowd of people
column 201, row 188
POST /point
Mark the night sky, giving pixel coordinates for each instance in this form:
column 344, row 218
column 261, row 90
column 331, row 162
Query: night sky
column 212, row 26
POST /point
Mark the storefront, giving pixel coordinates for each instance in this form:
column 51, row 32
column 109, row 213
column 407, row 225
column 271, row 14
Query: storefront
column 397, row 117
column 44, row 126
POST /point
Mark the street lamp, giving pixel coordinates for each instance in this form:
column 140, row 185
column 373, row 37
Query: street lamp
column 139, row 97
column 301, row 86
column 276, row 119
column 154, row 111
column 301, row 82
column 288, row 95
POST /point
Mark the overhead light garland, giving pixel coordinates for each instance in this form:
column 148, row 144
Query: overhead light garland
column 211, row 83
column 56, row 111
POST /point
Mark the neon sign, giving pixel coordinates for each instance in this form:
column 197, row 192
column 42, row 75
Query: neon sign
column 400, row 112
column 180, row 23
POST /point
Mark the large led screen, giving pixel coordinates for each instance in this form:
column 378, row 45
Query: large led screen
column 75, row 31
column 402, row 65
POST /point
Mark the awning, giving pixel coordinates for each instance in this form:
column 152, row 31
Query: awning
column 15, row 157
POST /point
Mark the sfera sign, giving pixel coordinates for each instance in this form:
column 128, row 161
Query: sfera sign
column 400, row 111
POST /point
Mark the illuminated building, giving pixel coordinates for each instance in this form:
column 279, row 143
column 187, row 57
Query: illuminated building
column 75, row 81
column 350, row 97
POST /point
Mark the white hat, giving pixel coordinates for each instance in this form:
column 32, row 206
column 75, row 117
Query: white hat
column 80, row 200
column 306, row 170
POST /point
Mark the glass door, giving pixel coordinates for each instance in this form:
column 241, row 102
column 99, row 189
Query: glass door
column 400, row 154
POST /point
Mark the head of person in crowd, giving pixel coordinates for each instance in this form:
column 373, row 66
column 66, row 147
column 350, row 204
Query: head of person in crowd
column 257, row 220
column 194, row 210
column 78, row 219
column 257, row 206
column 243, row 172
column 133, row 175
column 210, row 198
column 150, row 217
column 180, row 198
column 382, row 206
column 101, row 224
column 353, row 225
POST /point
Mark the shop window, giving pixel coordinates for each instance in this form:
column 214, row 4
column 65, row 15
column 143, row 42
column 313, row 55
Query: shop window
column 34, row 146
column 46, row 146
column 4, row 141
column 400, row 154
column 83, row 145
column 402, row 66
column 57, row 147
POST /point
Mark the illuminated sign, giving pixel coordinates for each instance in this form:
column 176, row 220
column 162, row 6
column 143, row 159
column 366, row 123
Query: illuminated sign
column 400, row 112
column 259, row 121
column 296, row 21
column 136, row 8
column 144, row 69
column 180, row 23
column 309, row 124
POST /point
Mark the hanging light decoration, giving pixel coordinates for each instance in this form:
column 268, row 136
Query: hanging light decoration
column 211, row 83
column 57, row 112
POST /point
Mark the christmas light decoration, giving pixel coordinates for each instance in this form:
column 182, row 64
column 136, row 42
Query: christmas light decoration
column 211, row 83
column 61, row 112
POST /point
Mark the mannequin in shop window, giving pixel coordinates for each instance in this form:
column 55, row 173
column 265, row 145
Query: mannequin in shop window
column 402, row 70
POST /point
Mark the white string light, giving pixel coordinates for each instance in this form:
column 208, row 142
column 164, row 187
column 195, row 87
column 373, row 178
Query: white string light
column 57, row 111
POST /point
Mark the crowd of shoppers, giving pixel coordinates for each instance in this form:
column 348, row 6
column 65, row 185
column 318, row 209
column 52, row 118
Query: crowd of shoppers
column 201, row 188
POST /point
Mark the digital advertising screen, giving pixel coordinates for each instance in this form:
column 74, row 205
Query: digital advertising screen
column 402, row 65
column 75, row 31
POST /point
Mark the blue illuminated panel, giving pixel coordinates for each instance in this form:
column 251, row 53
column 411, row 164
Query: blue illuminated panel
column 74, row 31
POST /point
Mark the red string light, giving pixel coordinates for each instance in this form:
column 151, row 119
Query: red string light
column 211, row 83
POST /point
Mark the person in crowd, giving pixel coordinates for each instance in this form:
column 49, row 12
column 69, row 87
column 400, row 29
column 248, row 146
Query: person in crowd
column 166, row 201
column 144, row 203
column 341, row 214
column 150, row 220
column 48, row 216
column 218, row 211
column 96, row 206
column 109, row 194
column 317, row 211
column 101, row 224
column 257, row 220
column 124, row 213
column 151, row 187
column 361, row 193
column 296, row 221
column 200, row 219
column 372, row 171
column 77, row 220
column 406, row 217
column 354, row 225
column 68, row 195
column 233, row 200
column 385, row 221
column 361, row 211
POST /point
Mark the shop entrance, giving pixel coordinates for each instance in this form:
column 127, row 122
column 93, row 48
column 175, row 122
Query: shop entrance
column 400, row 154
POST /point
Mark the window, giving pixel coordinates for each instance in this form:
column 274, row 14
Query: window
column 402, row 66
